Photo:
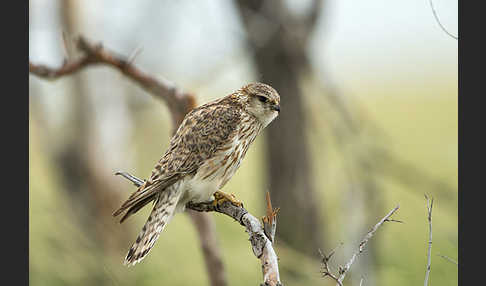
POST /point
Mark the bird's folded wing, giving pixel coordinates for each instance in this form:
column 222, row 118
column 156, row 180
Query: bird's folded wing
column 145, row 193
column 203, row 131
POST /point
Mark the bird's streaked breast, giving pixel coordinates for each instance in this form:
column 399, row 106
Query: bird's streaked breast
column 227, row 159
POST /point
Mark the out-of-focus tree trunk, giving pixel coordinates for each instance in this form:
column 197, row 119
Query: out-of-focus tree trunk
column 279, row 41
column 85, row 169
column 93, row 192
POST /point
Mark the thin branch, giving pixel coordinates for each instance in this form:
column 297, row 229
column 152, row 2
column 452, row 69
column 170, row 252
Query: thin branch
column 449, row 259
column 326, row 271
column 343, row 270
column 270, row 220
column 136, row 181
column 66, row 47
column 394, row 220
column 430, row 203
column 134, row 54
column 438, row 21
column 364, row 241
column 261, row 244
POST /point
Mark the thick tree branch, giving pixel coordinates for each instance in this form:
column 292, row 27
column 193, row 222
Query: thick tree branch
column 261, row 237
column 178, row 101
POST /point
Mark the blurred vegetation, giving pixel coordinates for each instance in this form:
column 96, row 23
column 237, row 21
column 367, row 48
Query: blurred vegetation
column 423, row 130
column 400, row 92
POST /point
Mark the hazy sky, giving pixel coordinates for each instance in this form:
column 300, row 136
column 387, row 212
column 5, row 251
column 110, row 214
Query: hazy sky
column 371, row 43
column 382, row 40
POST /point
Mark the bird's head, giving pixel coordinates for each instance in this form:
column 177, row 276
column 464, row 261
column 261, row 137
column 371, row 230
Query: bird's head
column 262, row 101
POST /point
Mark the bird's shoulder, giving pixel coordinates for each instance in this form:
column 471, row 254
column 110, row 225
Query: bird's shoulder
column 203, row 131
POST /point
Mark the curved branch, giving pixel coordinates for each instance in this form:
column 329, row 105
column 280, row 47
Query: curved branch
column 261, row 244
column 438, row 21
column 179, row 102
column 261, row 236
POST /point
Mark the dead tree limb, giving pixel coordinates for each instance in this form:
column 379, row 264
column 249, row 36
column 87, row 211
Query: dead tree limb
column 365, row 240
column 178, row 102
column 344, row 269
column 278, row 40
column 261, row 235
column 326, row 270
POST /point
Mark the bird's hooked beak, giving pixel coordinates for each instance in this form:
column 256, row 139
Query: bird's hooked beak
column 276, row 107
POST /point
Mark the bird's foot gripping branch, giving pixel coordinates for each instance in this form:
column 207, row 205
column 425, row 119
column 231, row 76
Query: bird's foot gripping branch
column 262, row 235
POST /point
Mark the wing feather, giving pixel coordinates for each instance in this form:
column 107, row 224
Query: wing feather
column 203, row 131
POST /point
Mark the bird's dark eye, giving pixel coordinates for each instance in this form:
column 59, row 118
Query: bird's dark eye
column 262, row 98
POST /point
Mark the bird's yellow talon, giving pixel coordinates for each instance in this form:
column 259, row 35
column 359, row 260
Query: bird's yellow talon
column 221, row 197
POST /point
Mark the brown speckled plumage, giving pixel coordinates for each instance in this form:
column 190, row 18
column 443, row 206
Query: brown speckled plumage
column 203, row 155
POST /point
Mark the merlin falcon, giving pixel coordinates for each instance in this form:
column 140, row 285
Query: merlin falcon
column 203, row 155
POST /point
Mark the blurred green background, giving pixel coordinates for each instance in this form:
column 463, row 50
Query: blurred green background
column 389, row 65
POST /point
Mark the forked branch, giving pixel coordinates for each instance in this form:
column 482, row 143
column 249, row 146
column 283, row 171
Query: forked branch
column 339, row 277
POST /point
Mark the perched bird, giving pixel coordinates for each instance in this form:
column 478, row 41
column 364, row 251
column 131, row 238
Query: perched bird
column 203, row 155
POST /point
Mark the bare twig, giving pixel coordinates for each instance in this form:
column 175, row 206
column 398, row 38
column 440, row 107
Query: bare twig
column 134, row 54
column 343, row 270
column 66, row 47
column 430, row 203
column 438, row 21
column 394, row 220
column 364, row 241
column 326, row 271
column 270, row 220
column 136, row 181
column 449, row 259
column 261, row 244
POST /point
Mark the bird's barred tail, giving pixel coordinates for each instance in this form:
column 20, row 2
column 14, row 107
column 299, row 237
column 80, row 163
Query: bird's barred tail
column 160, row 216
